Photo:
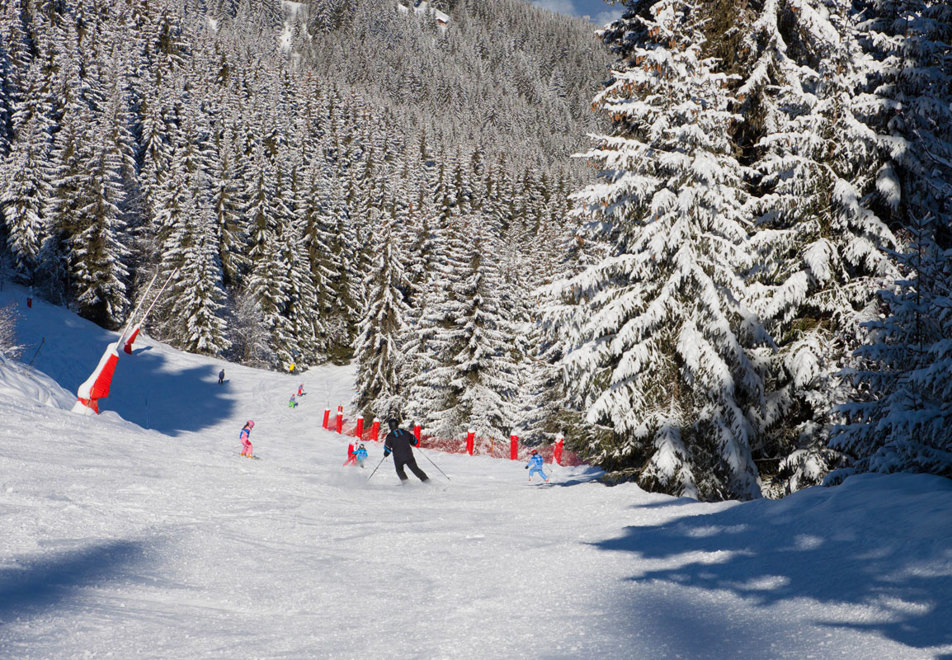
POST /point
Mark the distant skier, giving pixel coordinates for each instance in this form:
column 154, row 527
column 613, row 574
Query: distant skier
column 398, row 442
column 221, row 376
column 292, row 403
column 360, row 455
column 301, row 391
column 535, row 466
column 351, row 455
column 245, row 437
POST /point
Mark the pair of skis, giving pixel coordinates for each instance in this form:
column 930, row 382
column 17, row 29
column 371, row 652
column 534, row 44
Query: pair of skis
column 418, row 450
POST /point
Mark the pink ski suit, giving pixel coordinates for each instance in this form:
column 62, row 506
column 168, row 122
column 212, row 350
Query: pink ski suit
column 245, row 437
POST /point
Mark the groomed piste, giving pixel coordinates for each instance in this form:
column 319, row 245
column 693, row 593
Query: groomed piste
column 141, row 532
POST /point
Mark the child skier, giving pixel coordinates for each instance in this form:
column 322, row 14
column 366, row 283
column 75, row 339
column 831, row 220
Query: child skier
column 301, row 391
column 245, row 437
column 292, row 403
column 360, row 455
column 535, row 466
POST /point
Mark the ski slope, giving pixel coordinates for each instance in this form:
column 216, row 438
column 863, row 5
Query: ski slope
column 141, row 533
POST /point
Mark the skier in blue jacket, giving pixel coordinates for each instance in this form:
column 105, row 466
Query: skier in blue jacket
column 360, row 455
column 535, row 466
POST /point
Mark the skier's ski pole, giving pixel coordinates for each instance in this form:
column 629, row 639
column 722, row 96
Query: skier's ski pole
column 434, row 464
column 375, row 469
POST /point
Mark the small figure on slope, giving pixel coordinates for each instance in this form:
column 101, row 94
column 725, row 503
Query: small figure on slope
column 360, row 455
column 301, row 391
column 221, row 376
column 245, row 437
column 351, row 455
column 398, row 442
column 535, row 466
column 292, row 403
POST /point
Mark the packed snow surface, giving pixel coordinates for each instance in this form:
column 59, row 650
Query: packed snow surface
column 142, row 533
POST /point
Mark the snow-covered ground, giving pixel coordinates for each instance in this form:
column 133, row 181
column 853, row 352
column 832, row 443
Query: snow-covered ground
column 143, row 533
column 295, row 20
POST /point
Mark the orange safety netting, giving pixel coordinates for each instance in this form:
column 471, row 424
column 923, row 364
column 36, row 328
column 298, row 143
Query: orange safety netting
column 481, row 446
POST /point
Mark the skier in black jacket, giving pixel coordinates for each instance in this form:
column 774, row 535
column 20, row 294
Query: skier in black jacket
column 398, row 443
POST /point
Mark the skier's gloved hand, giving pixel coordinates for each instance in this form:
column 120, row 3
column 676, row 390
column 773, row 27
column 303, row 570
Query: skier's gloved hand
column 386, row 452
column 526, row 467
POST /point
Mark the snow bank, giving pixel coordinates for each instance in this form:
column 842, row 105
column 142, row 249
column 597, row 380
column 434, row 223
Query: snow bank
column 21, row 385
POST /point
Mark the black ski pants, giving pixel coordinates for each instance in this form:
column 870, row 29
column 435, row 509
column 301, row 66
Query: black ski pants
column 409, row 462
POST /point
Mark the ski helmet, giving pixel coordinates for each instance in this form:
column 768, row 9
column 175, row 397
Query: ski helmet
column 250, row 424
column 393, row 423
column 535, row 451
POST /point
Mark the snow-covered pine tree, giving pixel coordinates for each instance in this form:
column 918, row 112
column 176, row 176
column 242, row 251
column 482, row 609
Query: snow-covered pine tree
column 421, row 238
column 66, row 173
column 227, row 203
column 119, row 121
column 249, row 333
column 25, row 187
column 8, row 332
column 812, row 165
column 480, row 376
column 302, row 309
column 318, row 209
column 378, row 351
column 16, row 41
column 99, row 248
column 369, row 197
column 522, row 259
column 268, row 278
column 195, row 313
column 666, row 361
column 341, row 299
column 558, row 326
column 328, row 15
column 898, row 416
column 899, row 419
column 909, row 68
column 24, row 195
column 7, row 93
column 430, row 334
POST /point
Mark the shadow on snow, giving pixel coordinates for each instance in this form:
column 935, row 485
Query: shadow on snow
column 145, row 390
column 767, row 553
column 51, row 579
column 170, row 402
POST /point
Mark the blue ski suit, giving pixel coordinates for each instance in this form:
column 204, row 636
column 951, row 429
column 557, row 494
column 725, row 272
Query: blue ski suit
column 535, row 467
